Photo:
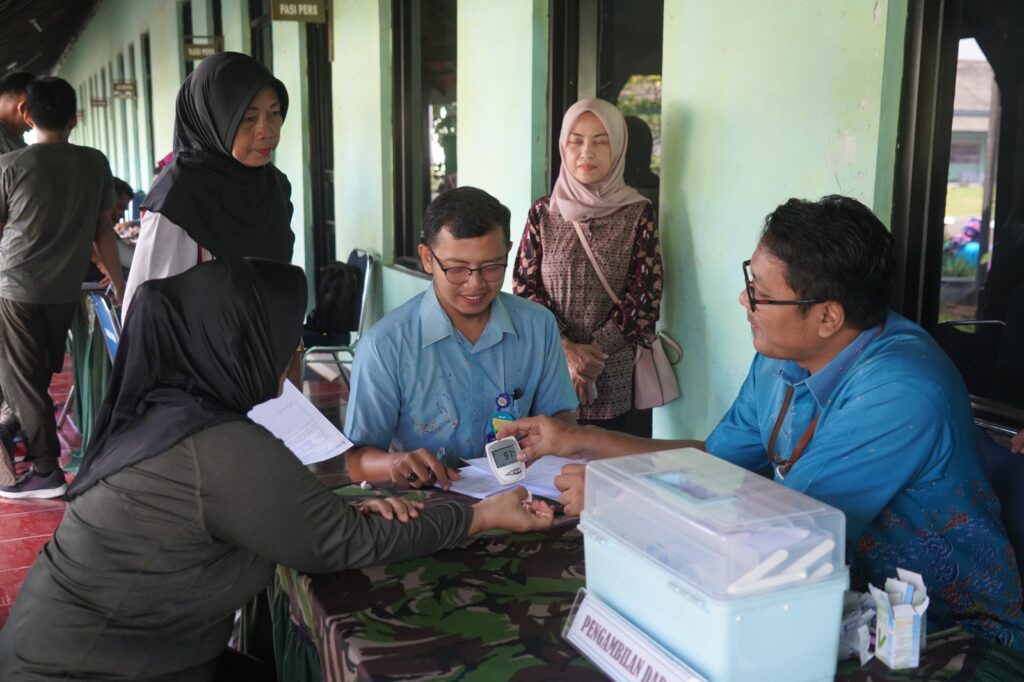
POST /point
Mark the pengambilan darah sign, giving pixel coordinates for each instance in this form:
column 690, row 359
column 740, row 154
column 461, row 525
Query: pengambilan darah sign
column 618, row 648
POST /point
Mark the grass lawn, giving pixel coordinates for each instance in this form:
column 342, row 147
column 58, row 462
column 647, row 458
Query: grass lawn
column 963, row 202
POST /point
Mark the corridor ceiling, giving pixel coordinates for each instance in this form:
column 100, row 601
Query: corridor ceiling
column 35, row 34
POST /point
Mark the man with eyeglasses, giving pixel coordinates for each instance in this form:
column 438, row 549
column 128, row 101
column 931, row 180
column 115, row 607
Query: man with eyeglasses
column 854, row 405
column 428, row 377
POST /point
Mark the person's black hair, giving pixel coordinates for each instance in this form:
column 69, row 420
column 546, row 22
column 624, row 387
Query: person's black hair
column 122, row 188
column 835, row 249
column 467, row 212
column 51, row 103
column 16, row 83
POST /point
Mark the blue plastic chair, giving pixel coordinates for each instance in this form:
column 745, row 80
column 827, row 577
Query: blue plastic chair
column 109, row 322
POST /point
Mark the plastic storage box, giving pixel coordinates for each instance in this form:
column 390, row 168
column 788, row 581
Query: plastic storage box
column 738, row 576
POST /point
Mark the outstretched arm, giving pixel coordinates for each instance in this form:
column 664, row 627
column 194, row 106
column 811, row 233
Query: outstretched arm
column 539, row 436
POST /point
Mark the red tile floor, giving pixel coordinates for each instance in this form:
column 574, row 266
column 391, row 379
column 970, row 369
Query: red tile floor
column 26, row 525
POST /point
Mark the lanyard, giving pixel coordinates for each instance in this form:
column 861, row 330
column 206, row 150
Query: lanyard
column 784, row 466
column 774, row 457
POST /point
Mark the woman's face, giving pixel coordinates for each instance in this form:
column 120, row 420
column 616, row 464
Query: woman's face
column 259, row 131
column 588, row 151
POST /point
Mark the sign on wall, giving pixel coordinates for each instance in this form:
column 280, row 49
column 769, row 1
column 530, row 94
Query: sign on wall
column 310, row 11
column 98, row 101
column 196, row 48
column 124, row 89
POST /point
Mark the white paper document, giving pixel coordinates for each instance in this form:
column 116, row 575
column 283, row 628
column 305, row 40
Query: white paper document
column 304, row 430
column 478, row 481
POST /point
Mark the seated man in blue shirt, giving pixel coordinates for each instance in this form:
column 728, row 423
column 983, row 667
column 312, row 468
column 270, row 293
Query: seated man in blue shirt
column 427, row 377
column 853, row 405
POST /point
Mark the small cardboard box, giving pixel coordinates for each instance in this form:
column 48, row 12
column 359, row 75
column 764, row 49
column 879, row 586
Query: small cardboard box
column 901, row 627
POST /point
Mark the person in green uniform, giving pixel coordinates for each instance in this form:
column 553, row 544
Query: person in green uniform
column 183, row 506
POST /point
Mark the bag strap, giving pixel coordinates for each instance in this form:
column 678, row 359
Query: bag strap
column 671, row 343
column 593, row 262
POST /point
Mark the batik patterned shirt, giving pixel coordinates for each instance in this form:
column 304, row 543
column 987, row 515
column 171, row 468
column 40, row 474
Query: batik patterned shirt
column 894, row 449
column 553, row 269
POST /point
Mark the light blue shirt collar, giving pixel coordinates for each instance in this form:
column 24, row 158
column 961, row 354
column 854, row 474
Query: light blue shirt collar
column 435, row 324
column 822, row 383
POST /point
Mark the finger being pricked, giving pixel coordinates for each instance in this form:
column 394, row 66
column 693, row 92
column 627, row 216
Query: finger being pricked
column 538, row 513
column 393, row 507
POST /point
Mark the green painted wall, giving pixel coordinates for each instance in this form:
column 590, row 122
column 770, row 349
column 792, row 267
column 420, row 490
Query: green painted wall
column 761, row 102
column 502, row 95
column 362, row 126
column 509, row 163
column 121, row 130
column 116, row 29
column 363, row 195
column 292, row 155
column 235, row 19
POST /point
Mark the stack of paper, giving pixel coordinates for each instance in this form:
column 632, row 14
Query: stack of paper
column 478, row 481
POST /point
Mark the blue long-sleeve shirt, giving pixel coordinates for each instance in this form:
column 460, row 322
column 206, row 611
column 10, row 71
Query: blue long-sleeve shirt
column 419, row 383
column 894, row 450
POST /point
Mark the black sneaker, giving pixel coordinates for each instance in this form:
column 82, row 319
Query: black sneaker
column 33, row 484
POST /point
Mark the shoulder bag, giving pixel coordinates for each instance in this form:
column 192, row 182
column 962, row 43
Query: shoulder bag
column 654, row 380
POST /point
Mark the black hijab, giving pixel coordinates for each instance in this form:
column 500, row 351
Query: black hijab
column 204, row 348
column 230, row 209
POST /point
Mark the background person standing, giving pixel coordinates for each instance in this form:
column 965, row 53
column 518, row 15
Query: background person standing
column 599, row 336
column 13, row 126
column 55, row 202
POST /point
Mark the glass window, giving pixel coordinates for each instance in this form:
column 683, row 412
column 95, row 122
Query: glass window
column 425, row 114
column 147, row 92
column 321, row 141
column 966, row 246
column 958, row 213
column 260, row 32
column 186, row 31
column 612, row 49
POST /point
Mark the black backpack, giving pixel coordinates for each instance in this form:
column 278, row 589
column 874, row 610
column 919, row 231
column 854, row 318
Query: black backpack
column 338, row 298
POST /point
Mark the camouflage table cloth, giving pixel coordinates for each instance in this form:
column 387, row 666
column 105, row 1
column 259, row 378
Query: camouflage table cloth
column 491, row 609
column 494, row 608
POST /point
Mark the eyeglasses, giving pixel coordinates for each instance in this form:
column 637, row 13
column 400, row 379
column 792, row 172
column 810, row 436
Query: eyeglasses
column 492, row 272
column 754, row 301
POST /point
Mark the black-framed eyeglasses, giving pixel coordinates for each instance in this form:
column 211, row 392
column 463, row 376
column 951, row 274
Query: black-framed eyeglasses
column 755, row 301
column 492, row 272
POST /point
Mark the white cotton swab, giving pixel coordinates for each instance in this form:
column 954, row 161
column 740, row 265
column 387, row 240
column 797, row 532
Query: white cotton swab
column 816, row 553
column 762, row 569
column 822, row 571
column 770, row 581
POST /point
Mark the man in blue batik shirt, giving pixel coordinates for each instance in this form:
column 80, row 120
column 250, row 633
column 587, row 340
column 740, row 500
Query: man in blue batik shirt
column 427, row 377
column 853, row 405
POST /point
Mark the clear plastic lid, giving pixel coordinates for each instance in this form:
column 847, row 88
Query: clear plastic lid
column 720, row 528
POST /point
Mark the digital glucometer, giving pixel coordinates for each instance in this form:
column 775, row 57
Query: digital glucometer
column 502, row 455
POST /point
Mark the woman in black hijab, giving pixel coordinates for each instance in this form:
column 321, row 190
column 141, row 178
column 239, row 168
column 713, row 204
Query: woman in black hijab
column 183, row 505
column 220, row 196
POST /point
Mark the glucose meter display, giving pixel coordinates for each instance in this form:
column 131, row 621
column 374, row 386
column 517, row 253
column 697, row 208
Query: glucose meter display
column 504, row 456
